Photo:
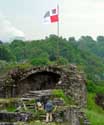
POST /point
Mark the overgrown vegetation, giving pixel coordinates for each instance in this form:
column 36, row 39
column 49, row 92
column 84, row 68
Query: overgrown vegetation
column 94, row 112
column 95, row 88
column 60, row 94
column 86, row 53
column 8, row 104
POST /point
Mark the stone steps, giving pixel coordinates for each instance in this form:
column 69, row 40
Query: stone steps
column 14, row 117
column 37, row 94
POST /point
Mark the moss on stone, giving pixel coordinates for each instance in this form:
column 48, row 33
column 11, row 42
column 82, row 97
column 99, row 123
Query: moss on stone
column 60, row 94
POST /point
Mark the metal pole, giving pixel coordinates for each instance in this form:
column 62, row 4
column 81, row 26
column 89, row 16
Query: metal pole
column 58, row 20
column 57, row 33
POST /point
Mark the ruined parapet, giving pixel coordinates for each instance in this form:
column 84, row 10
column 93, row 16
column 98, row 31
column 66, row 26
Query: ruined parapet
column 18, row 82
column 75, row 117
column 74, row 85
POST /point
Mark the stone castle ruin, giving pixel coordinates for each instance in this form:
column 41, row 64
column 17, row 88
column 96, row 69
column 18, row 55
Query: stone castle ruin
column 20, row 82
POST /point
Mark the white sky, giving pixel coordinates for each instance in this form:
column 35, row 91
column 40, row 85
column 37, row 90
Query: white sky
column 25, row 18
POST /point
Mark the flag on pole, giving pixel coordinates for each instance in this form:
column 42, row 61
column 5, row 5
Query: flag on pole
column 51, row 16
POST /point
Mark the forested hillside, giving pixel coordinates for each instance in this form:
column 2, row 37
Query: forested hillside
column 86, row 53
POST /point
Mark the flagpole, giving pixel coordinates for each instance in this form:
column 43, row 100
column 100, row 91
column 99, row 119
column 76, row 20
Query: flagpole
column 58, row 20
column 58, row 34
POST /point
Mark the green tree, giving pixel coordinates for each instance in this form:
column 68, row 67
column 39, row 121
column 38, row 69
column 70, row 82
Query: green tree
column 6, row 54
column 41, row 61
column 62, row 61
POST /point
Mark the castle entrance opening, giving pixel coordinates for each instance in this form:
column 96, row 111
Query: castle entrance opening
column 38, row 81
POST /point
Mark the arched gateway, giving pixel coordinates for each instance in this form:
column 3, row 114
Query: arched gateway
column 19, row 82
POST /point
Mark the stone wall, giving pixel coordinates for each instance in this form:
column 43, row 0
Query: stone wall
column 19, row 82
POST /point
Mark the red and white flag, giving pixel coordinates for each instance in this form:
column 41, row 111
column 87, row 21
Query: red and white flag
column 51, row 16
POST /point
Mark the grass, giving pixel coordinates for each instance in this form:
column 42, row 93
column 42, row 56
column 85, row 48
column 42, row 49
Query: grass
column 93, row 111
column 60, row 94
column 8, row 104
column 95, row 117
column 11, row 108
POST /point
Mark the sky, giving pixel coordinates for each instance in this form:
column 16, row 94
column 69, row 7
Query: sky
column 24, row 18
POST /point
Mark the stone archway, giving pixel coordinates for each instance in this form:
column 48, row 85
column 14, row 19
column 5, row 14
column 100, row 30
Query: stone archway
column 67, row 78
column 38, row 81
column 44, row 80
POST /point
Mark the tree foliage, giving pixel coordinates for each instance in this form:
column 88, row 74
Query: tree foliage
column 86, row 53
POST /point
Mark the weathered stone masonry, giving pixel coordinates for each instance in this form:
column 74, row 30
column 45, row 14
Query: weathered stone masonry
column 18, row 82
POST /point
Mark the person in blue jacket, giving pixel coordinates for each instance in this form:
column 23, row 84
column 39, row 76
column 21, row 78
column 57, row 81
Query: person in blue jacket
column 49, row 109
